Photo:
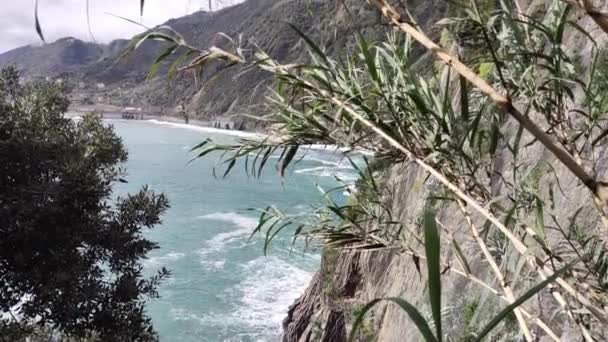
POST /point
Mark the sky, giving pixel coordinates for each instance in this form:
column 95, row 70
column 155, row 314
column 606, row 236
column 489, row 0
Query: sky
column 61, row 18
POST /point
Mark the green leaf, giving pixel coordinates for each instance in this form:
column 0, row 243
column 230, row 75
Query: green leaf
column 464, row 99
column 461, row 257
column 312, row 44
column 289, row 154
column 531, row 292
column 265, row 158
column 160, row 58
column 200, row 145
column 494, row 136
column 540, row 220
column 230, row 166
column 563, row 20
column 415, row 316
column 369, row 59
column 270, row 237
column 432, row 249
column 261, row 222
column 485, row 69
column 156, row 36
column 583, row 31
column 38, row 28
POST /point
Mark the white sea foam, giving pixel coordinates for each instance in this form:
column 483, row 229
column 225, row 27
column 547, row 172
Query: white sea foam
column 213, row 265
column 245, row 226
column 348, row 177
column 239, row 220
column 212, row 130
column 163, row 260
column 270, row 286
column 264, row 303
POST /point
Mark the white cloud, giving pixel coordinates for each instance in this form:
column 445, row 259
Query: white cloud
column 61, row 18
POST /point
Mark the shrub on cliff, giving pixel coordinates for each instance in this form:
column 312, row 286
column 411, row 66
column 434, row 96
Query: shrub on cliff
column 70, row 255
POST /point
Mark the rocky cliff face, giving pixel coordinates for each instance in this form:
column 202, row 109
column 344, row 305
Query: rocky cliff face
column 350, row 279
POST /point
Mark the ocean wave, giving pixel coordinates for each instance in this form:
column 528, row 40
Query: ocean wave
column 348, row 177
column 241, row 221
column 264, row 303
column 209, row 254
column 163, row 260
column 212, row 130
column 269, row 287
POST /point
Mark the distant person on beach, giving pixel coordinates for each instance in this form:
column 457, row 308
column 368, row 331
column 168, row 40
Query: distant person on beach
column 183, row 113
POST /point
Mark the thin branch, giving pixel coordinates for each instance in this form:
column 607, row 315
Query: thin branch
column 497, row 272
column 501, row 101
column 564, row 304
column 483, row 284
column 519, row 245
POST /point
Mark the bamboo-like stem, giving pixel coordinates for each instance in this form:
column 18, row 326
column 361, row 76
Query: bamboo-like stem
column 535, row 319
column 488, row 287
column 497, row 272
column 501, row 101
column 504, row 103
column 562, row 302
column 485, row 285
column 517, row 243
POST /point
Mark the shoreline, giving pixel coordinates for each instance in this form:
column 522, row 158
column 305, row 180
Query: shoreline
column 193, row 124
column 204, row 126
column 248, row 134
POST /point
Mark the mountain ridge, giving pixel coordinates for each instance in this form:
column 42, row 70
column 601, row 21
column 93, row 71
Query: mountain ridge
column 102, row 77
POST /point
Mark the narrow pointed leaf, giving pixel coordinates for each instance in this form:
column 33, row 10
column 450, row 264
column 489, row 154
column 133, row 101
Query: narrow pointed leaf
column 289, row 154
column 461, row 257
column 415, row 316
column 311, row 43
column 531, row 292
column 230, row 166
column 540, row 220
column 432, row 246
column 38, row 28
column 464, row 100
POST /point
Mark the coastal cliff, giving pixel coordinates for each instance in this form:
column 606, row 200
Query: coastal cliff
column 349, row 279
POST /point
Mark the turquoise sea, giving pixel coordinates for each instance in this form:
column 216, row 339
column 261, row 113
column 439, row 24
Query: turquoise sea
column 222, row 287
